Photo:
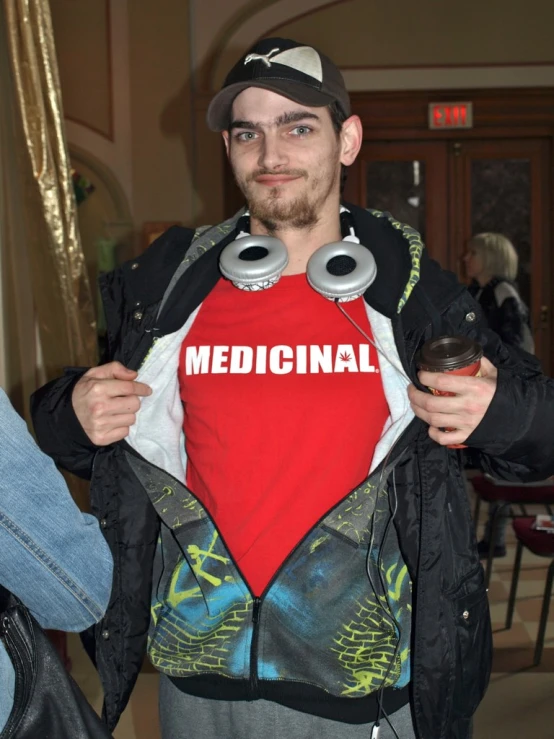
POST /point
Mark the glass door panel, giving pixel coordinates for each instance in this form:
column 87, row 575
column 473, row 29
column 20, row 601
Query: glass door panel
column 409, row 180
column 398, row 187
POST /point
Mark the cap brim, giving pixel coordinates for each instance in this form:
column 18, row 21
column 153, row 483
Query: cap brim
column 219, row 110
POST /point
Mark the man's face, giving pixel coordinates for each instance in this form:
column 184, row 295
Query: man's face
column 286, row 158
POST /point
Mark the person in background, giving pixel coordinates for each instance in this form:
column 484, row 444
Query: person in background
column 52, row 557
column 491, row 262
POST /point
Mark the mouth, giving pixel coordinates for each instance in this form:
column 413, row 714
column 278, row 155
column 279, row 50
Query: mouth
column 276, row 180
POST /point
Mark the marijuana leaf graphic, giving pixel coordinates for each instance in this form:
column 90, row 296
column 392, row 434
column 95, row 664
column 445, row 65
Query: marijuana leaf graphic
column 345, row 357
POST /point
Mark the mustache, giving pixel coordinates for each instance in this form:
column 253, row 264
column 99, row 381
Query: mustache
column 285, row 172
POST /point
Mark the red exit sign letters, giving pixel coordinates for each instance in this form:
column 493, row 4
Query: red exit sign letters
column 450, row 115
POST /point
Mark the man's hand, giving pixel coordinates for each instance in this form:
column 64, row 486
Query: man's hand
column 105, row 401
column 463, row 411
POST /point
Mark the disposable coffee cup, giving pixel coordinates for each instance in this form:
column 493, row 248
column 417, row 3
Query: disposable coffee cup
column 458, row 355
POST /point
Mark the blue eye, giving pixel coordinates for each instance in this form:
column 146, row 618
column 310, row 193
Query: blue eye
column 301, row 130
column 245, row 136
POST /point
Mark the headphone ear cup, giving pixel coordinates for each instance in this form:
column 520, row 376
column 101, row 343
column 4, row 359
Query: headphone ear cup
column 341, row 270
column 254, row 262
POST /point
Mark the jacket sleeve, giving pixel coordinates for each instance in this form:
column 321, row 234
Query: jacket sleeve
column 52, row 556
column 57, row 428
column 128, row 291
column 515, row 439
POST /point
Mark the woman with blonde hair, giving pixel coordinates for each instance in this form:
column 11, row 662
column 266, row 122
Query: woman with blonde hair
column 491, row 262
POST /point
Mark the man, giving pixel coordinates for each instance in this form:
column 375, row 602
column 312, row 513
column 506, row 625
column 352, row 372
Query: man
column 280, row 492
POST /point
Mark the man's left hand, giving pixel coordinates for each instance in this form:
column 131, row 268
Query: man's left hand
column 463, row 411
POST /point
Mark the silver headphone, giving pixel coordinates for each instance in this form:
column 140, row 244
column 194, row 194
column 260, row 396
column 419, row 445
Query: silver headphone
column 340, row 271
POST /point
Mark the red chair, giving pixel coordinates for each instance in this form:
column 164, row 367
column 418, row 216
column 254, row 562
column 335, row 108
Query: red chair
column 508, row 495
column 542, row 544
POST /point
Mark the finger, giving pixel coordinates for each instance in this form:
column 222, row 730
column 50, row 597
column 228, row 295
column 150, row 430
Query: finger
column 444, row 420
column 119, row 388
column 444, row 438
column 448, row 382
column 116, row 434
column 102, row 434
column 487, row 368
column 102, row 410
column 111, row 370
column 436, row 403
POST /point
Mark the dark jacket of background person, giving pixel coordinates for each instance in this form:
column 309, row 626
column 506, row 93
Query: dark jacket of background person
column 505, row 312
column 451, row 634
column 52, row 556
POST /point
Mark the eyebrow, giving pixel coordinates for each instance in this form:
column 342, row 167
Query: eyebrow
column 292, row 117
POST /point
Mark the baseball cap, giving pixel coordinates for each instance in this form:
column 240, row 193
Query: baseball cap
column 284, row 66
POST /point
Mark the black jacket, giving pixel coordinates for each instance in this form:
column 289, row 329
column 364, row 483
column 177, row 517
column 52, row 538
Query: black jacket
column 451, row 635
column 507, row 316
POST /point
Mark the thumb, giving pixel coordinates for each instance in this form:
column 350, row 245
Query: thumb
column 487, row 368
column 112, row 371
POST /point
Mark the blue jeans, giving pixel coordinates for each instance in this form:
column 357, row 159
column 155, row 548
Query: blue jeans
column 52, row 557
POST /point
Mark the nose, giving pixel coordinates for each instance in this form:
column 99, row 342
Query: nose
column 272, row 153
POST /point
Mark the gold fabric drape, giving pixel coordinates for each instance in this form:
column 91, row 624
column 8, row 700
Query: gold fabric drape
column 51, row 251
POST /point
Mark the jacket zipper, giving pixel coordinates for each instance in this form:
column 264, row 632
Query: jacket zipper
column 254, row 686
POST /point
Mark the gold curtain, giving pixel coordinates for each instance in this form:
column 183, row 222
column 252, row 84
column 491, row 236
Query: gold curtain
column 41, row 248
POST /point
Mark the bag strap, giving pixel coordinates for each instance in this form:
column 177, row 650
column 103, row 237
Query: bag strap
column 6, row 599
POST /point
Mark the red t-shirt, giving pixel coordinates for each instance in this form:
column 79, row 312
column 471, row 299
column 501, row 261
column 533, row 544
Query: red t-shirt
column 283, row 407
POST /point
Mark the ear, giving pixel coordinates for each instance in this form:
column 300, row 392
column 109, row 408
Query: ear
column 225, row 135
column 351, row 136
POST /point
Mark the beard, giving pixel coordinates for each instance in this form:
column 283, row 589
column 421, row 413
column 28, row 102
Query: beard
column 276, row 212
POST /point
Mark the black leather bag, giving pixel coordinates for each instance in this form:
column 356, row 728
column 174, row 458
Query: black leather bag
column 48, row 703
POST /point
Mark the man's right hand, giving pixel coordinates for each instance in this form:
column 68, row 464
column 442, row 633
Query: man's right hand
column 106, row 400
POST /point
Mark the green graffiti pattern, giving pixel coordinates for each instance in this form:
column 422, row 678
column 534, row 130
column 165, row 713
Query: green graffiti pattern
column 352, row 517
column 186, row 650
column 164, row 501
column 366, row 646
column 416, row 247
column 203, row 616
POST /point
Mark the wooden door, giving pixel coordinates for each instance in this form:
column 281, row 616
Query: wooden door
column 410, row 180
column 503, row 186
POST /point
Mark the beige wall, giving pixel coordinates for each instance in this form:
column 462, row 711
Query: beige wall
column 81, row 31
column 168, row 56
column 430, row 32
column 160, row 89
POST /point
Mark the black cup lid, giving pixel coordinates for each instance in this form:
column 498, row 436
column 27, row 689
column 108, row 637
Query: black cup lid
column 448, row 353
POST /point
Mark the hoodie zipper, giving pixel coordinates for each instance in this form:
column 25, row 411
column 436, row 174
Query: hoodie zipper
column 254, row 686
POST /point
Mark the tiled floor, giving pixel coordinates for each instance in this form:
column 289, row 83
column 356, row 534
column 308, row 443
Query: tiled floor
column 519, row 703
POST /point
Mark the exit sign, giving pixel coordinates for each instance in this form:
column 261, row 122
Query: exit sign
column 450, row 115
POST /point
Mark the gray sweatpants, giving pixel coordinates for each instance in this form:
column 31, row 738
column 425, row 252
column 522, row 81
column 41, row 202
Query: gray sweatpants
column 185, row 716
